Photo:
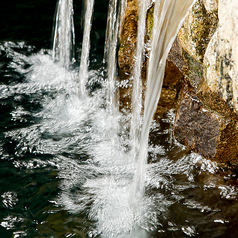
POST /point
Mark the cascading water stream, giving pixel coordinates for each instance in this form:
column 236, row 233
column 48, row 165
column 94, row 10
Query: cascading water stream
column 137, row 84
column 114, row 21
column 84, row 61
column 110, row 54
column 168, row 17
column 64, row 36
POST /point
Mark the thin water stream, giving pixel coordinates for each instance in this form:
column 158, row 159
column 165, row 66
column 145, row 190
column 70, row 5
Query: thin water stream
column 137, row 81
column 65, row 174
column 84, row 60
column 64, row 35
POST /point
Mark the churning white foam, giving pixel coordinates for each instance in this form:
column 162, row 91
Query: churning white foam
column 93, row 158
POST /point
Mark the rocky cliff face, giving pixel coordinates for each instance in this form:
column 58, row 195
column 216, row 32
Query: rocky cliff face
column 204, row 60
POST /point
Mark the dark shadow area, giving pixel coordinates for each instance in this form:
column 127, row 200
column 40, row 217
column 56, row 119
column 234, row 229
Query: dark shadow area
column 32, row 21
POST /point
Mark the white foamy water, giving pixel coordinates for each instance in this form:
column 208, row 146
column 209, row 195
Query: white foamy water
column 94, row 165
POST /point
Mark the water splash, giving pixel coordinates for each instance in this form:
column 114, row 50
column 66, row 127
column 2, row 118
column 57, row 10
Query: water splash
column 64, row 36
column 71, row 137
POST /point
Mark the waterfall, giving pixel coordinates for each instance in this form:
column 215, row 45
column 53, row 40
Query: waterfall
column 67, row 165
column 64, row 39
column 168, row 18
column 114, row 21
column 110, row 53
column 137, row 84
column 83, row 69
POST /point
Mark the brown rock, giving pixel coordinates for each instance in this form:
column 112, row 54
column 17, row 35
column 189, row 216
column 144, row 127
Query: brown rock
column 171, row 87
column 169, row 94
column 125, row 94
column 215, row 101
column 176, row 55
column 190, row 68
column 220, row 87
column 172, row 74
column 128, row 38
column 193, row 39
column 204, row 131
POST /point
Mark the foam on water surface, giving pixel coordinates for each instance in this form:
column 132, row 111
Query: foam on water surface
column 95, row 167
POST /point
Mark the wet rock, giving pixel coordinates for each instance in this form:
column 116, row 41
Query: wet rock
column 126, row 55
column 215, row 101
column 205, row 53
column 171, row 86
column 169, row 94
column 221, row 64
column 194, row 36
column 207, row 118
column 198, row 28
column 176, row 56
column 125, row 94
column 203, row 131
column 128, row 39
column 192, row 70
column 172, row 74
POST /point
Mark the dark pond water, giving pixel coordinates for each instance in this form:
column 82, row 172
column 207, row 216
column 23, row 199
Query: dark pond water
column 66, row 173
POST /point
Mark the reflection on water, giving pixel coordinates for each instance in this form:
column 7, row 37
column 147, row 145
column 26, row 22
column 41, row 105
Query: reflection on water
column 65, row 173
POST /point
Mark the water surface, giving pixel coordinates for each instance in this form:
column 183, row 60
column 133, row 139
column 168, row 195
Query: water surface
column 65, row 172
